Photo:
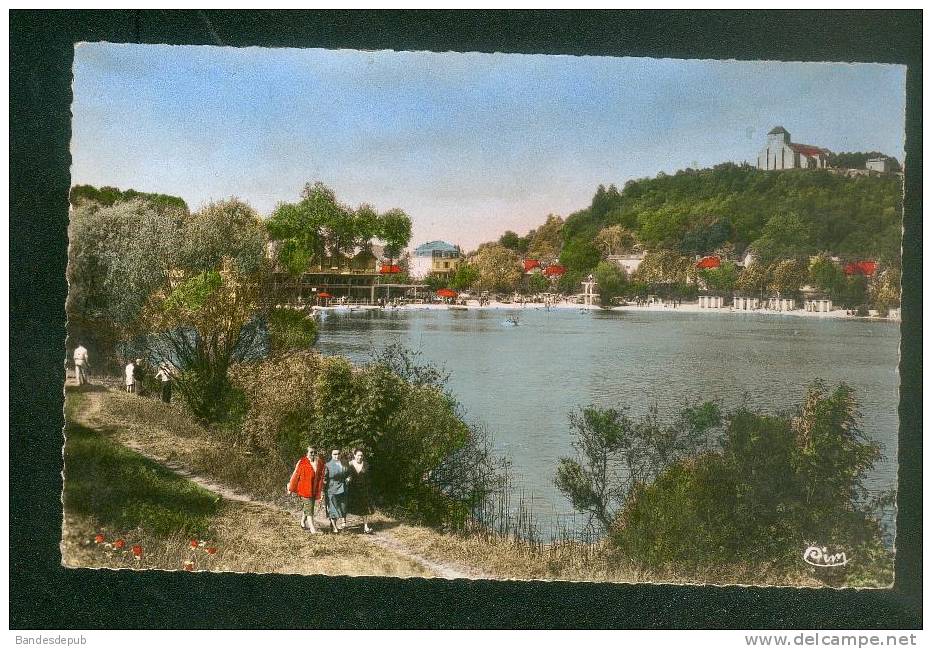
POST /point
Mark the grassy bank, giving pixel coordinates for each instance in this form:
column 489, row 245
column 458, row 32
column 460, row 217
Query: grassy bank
column 262, row 538
column 113, row 494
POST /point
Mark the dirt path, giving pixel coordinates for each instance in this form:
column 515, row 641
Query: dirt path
column 89, row 415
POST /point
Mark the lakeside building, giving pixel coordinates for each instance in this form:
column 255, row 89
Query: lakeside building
column 346, row 286
column 434, row 257
column 782, row 153
column 628, row 263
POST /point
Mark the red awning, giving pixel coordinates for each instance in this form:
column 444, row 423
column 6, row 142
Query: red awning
column 324, row 294
column 554, row 271
column 711, row 261
column 530, row 264
column 445, row 292
column 388, row 269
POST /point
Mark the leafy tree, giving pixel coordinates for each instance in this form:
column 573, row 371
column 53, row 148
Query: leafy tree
column 498, row 269
column 210, row 317
column 611, row 283
column 614, row 454
column 117, row 257
column 754, row 279
column 854, row 294
column 537, row 283
column 770, row 485
column 884, row 289
column 290, row 329
column 705, row 238
column 787, row 276
column 394, row 228
column 513, row 242
column 580, row 255
column 546, row 241
column 570, row 282
column 615, row 240
column 665, row 267
column 784, row 236
column 318, row 229
column 465, row 277
column 827, row 276
column 721, row 280
column 108, row 196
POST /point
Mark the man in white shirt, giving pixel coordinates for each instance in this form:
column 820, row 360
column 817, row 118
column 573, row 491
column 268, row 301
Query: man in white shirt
column 80, row 364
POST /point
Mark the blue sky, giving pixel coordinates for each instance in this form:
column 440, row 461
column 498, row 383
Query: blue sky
column 469, row 145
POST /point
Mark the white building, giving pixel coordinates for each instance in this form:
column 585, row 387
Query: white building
column 434, row 257
column 746, row 303
column 781, row 153
column 711, row 302
column 882, row 165
column 628, row 263
column 818, row 305
column 781, row 304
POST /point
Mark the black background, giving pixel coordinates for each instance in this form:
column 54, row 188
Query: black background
column 45, row 595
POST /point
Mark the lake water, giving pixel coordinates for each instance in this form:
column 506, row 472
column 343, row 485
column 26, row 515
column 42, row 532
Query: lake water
column 522, row 382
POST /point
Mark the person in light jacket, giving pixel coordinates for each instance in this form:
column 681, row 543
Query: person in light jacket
column 335, row 475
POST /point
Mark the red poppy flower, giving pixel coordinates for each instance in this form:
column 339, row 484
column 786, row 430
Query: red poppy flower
column 189, row 565
column 211, row 550
column 193, row 543
column 137, row 551
column 119, row 544
column 99, row 538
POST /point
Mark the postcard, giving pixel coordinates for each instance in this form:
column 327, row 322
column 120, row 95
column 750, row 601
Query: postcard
column 483, row 316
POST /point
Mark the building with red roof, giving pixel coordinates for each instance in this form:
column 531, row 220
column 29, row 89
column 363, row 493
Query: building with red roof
column 782, row 153
column 530, row 265
column 866, row 268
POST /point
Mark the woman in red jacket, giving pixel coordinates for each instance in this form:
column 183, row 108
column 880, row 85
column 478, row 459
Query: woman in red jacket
column 306, row 482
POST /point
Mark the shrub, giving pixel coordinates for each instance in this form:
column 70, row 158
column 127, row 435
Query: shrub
column 418, row 445
column 748, row 488
column 776, row 485
column 291, row 330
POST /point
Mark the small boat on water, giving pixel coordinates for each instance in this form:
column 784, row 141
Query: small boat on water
column 510, row 322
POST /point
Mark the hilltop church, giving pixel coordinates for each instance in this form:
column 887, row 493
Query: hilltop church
column 781, row 153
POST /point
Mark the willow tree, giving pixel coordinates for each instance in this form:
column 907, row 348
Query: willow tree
column 118, row 255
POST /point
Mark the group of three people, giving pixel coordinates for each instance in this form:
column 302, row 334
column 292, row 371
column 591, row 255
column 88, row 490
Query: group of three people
column 343, row 487
column 135, row 371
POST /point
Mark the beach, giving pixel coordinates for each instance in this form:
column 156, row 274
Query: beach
column 683, row 307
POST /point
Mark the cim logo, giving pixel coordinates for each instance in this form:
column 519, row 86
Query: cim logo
column 821, row 558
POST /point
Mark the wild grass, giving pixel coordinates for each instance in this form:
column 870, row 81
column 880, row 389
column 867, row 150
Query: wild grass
column 500, row 540
column 116, row 499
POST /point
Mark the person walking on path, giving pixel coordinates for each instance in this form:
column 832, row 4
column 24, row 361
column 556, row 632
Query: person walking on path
column 335, row 475
column 305, row 483
column 130, row 377
column 358, row 481
column 80, row 364
column 165, row 376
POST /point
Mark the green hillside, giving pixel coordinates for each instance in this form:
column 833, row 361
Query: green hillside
column 730, row 208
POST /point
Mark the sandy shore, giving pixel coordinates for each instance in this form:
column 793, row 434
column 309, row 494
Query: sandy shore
column 688, row 307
